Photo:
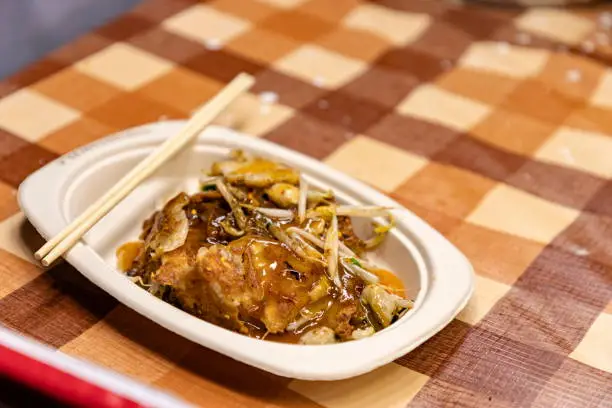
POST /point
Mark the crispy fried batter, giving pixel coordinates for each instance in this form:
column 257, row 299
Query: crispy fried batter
column 170, row 226
column 226, row 256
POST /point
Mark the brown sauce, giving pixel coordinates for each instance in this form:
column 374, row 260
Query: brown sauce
column 391, row 281
column 256, row 284
column 127, row 254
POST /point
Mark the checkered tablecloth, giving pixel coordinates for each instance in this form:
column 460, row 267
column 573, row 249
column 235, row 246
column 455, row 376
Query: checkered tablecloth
column 493, row 124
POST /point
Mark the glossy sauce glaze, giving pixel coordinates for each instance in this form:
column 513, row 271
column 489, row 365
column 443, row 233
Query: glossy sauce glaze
column 258, row 254
column 275, row 272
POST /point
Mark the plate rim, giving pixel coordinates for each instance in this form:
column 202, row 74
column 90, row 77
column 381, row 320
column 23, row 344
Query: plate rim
column 295, row 361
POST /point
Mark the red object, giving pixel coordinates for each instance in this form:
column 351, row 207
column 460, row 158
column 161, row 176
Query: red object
column 58, row 384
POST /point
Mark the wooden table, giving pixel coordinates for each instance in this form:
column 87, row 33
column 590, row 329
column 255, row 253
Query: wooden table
column 493, row 124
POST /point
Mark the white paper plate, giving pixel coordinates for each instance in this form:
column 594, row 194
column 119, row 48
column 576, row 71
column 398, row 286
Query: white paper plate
column 433, row 270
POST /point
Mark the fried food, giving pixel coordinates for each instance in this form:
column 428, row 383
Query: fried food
column 259, row 252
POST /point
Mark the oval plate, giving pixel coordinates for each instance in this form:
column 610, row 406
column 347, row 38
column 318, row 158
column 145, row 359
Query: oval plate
column 433, row 270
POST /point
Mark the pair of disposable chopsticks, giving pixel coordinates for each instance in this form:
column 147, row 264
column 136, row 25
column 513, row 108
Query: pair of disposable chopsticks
column 69, row 236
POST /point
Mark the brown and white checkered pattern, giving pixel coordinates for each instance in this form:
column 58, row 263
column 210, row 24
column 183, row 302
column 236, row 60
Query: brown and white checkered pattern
column 472, row 117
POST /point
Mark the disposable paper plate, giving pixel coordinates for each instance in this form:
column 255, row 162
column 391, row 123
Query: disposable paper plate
column 435, row 273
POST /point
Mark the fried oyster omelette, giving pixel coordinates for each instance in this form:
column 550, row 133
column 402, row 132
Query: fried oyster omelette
column 258, row 251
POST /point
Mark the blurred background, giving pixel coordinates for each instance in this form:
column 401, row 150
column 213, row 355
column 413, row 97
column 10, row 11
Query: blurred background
column 31, row 28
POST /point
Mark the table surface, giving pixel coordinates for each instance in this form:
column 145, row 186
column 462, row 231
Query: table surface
column 493, row 124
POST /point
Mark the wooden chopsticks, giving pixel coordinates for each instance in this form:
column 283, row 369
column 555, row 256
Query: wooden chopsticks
column 62, row 242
